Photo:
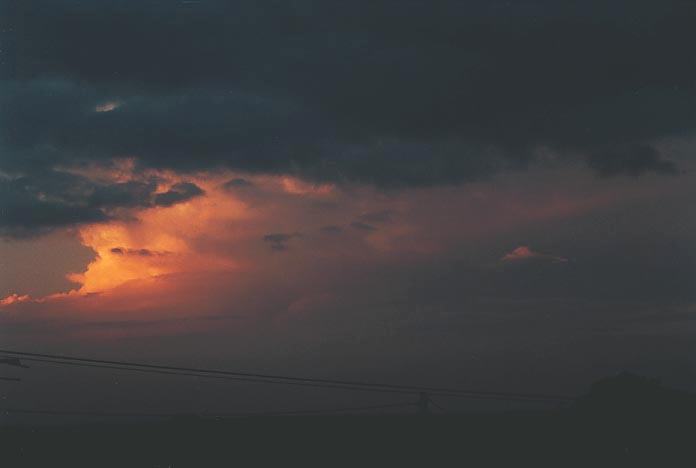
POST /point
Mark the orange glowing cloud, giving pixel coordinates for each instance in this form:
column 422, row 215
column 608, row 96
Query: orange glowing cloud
column 165, row 240
column 197, row 235
column 143, row 254
column 299, row 187
column 159, row 240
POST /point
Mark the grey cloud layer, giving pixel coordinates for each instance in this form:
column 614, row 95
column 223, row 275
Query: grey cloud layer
column 390, row 93
column 47, row 199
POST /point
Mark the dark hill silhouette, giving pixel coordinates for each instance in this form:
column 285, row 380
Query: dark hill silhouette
column 630, row 395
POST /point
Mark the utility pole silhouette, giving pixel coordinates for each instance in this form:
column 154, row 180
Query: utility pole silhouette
column 13, row 361
column 423, row 403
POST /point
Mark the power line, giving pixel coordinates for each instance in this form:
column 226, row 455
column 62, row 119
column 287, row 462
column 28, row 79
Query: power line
column 217, row 377
column 10, row 379
column 84, row 413
column 277, row 379
column 267, row 378
column 203, row 415
column 438, row 406
column 253, row 375
column 319, row 411
column 474, row 396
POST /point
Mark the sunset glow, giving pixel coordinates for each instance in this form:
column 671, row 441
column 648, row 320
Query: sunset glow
column 159, row 241
column 211, row 210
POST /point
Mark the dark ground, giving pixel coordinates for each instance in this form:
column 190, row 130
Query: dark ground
column 620, row 423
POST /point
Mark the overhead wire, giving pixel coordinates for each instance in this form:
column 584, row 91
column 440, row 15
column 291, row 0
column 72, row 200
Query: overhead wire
column 276, row 379
column 204, row 415
column 430, row 400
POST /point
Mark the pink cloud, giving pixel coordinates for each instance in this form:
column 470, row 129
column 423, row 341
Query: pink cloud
column 524, row 253
column 13, row 299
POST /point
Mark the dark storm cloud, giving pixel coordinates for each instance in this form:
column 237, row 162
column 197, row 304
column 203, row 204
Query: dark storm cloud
column 631, row 160
column 23, row 212
column 48, row 122
column 362, row 226
column 237, row 183
column 122, row 194
column 180, row 192
column 395, row 94
column 138, row 252
column 279, row 241
column 48, row 199
column 255, row 75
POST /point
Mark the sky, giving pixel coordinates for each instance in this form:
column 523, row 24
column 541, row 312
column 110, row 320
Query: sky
column 495, row 195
